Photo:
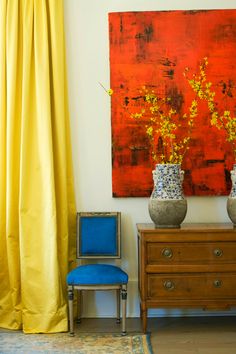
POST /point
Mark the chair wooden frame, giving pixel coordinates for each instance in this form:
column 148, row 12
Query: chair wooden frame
column 121, row 289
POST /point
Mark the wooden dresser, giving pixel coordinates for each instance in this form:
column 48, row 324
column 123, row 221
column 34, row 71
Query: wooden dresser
column 192, row 267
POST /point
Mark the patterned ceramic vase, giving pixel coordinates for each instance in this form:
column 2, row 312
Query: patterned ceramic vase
column 167, row 204
column 231, row 201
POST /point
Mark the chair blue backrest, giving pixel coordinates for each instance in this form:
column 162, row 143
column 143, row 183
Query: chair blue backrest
column 98, row 235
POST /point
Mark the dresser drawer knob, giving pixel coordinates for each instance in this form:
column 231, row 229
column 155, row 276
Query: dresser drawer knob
column 218, row 252
column 169, row 285
column 167, row 252
column 217, row 283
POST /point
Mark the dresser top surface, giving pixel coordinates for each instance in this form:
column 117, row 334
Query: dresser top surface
column 188, row 227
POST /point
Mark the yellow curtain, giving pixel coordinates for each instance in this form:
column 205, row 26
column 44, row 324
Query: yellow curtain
column 37, row 204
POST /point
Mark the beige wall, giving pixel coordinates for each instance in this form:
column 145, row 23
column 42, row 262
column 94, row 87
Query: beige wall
column 87, row 46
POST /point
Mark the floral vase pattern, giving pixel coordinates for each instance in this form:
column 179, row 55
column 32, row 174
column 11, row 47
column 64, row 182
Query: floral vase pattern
column 167, row 204
column 231, row 201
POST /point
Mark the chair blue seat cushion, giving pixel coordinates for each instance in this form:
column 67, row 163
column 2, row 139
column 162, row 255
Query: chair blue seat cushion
column 97, row 274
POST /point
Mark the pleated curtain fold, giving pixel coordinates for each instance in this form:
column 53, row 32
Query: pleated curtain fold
column 37, row 202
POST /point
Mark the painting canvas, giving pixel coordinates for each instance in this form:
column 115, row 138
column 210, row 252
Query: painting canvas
column 153, row 49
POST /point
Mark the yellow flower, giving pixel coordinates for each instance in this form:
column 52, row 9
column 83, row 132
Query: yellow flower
column 220, row 120
column 110, row 92
column 164, row 125
column 149, row 131
column 136, row 115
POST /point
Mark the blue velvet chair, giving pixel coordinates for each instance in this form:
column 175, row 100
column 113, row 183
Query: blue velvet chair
column 98, row 237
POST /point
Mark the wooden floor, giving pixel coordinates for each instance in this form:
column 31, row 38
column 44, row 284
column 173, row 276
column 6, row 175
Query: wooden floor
column 188, row 335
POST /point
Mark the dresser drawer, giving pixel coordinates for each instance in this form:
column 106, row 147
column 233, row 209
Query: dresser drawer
column 191, row 252
column 191, row 286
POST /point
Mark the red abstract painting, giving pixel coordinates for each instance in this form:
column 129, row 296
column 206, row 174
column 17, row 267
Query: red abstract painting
column 152, row 49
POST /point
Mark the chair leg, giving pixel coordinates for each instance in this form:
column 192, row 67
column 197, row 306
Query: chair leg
column 79, row 305
column 124, row 300
column 118, row 306
column 71, row 315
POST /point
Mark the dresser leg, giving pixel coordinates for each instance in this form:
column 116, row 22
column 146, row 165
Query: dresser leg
column 143, row 315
